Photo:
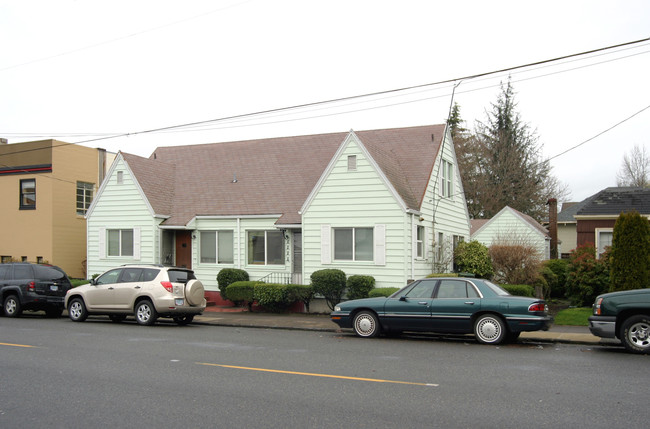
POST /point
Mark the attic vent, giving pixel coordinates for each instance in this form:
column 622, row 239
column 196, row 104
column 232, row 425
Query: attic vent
column 352, row 163
column 433, row 139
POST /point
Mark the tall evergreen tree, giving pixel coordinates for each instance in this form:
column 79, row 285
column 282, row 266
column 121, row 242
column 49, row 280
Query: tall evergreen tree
column 511, row 167
column 630, row 253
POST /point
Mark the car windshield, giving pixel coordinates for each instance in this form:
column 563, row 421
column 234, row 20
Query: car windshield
column 180, row 276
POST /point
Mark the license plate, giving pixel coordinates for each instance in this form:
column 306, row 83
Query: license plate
column 54, row 288
column 179, row 301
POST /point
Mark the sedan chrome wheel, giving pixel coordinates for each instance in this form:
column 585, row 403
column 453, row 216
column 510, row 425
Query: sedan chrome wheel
column 489, row 329
column 636, row 334
column 366, row 324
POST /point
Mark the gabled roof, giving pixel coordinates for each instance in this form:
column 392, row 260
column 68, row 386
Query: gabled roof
column 613, row 201
column 480, row 224
column 275, row 176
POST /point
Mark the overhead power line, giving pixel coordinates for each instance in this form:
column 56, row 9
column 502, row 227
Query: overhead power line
column 356, row 97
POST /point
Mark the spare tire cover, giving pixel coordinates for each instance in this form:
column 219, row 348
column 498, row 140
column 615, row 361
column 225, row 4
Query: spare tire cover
column 194, row 292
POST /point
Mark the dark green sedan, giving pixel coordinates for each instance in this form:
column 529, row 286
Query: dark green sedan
column 446, row 305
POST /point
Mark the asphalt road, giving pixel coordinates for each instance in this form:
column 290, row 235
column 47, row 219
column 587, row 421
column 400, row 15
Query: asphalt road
column 57, row 373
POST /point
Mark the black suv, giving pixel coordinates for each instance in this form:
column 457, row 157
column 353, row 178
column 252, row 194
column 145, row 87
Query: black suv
column 26, row 286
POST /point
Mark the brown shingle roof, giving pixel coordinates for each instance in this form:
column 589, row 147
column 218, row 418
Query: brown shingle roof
column 276, row 175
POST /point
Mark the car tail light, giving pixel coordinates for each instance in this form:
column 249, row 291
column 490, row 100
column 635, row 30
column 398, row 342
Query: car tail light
column 597, row 306
column 31, row 286
column 538, row 306
column 168, row 286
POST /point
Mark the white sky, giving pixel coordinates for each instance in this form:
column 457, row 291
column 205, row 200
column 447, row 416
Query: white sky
column 74, row 69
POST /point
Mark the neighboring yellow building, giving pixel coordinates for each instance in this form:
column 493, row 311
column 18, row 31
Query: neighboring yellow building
column 45, row 189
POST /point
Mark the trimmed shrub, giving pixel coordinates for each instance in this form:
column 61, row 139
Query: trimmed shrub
column 242, row 292
column 227, row 276
column 359, row 286
column 520, row 290
column 382, row 291
column 300, row 293
column 587, row 277
column 473, row 257
column 330, row 283
column 271, row 296
column 555, row 272
column 630, row 253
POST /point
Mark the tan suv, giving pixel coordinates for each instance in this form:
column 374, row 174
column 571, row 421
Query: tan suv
column 146, row 291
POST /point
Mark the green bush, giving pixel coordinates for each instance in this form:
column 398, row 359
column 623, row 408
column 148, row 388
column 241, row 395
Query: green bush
column 79, row 282
column 227, row 276
column 630, row 253
column 587, row 277
column 520, row 290
column 359, row 286
column 272, row 297
column 330, row 283
column 242, row 292
column 555, row 272
column 382, row 291
column 474, row 257
column 300, row 293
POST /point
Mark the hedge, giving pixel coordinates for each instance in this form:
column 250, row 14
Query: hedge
column 359, row 286
column 520, row 290
column 382, row 291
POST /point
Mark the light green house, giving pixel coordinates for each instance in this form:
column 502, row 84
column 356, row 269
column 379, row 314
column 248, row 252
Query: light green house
column 386, row 203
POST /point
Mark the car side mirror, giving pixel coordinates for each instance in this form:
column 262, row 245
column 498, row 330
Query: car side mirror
column 93, row 282
column 402, row 298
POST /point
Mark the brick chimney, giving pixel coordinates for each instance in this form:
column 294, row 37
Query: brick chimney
column 552, row 226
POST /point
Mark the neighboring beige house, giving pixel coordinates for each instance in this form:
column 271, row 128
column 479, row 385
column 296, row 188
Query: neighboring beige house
column 386, row 203
column 46, row 188
column 512, row 226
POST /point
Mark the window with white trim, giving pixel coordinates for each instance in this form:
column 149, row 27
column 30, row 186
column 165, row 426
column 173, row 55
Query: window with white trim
column 446, row 182
column 604, row 238
column 352, row 163
column 120, row 242
column 265, row 247
column 217, row 247
column 420, row 242
column 353, row 244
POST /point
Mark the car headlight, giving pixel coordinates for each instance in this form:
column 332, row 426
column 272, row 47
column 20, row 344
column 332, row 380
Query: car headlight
column 337, row 308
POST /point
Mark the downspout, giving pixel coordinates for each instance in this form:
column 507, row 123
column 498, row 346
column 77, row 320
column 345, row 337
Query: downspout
column 412, row 249
column 239, row 243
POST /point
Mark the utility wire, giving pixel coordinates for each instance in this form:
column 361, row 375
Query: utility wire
column 355, row 97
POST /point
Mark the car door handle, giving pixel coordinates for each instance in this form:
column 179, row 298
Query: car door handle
column 469, row 302
column 110, row 288
column 137, row 287
column 423, row 303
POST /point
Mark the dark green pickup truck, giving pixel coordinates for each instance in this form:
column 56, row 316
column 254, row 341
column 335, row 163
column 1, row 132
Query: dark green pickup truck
column 624, row 315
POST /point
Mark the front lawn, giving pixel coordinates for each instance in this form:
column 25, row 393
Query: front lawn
column 576, row 316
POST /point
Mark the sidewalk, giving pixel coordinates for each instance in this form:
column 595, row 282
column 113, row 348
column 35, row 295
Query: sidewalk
column 320, row 322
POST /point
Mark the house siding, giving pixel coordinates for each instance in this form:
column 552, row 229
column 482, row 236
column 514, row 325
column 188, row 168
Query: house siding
column 506, row 226
column 208, row 272
column 121, row 206
column 357, row 198
column 446, row 215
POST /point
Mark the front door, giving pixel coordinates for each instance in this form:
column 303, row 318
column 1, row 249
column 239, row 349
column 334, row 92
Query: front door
column 184, row 249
